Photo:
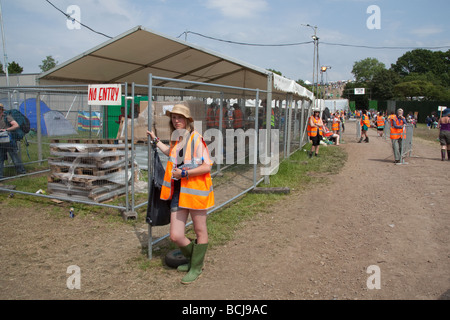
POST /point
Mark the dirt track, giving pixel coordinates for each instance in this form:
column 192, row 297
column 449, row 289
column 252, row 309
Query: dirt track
column 316, row 245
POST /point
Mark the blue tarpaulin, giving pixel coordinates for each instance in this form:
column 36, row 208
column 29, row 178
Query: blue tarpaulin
column 88, row 122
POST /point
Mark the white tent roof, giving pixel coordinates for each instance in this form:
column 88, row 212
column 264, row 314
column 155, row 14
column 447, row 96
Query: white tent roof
column 133, row 55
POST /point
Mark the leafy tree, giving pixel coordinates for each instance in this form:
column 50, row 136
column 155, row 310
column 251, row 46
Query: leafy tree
column 422, row 61
column 1, row 68
column 362, row 101
column 420, row 89
column 275, row 71
column 383, row 84
column 303, row 84
column 14, row 68
column 365, row 70
column 48, row 63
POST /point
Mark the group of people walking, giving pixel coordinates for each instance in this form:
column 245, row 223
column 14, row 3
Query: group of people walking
column 397, row 131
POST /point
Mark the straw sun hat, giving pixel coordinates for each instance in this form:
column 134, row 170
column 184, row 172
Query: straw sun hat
column 180, row 109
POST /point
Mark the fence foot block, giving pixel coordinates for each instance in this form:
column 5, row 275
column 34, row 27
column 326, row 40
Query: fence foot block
column 127, row 215
column 282, row 190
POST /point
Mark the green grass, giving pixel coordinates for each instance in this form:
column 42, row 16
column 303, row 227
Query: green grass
column 297, row 173
column 294, row 173
column 423, row 132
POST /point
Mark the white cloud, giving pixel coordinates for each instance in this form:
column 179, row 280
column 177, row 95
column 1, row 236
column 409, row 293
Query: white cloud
column 426, row 31
column 238, row 8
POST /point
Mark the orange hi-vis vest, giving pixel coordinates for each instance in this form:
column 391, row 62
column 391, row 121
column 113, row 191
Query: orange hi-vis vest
column 238, row 119
column 335, row 126
column 210, row 117
column 196, row 192
column 380, row 121
column 224, row 118
column 397, row 133
column 365, row 120
column 312, row 131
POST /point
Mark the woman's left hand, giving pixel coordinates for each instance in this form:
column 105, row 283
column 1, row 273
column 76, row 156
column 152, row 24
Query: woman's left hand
column 176, row 173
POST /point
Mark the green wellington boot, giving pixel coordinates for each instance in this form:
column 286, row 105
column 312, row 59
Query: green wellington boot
column 197, row 259
column 187, row 252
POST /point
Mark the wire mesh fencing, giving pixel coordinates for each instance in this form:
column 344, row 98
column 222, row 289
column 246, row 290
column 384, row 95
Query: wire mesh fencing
column 99, row 155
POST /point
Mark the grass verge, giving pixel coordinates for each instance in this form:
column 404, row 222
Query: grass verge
column 424, row 133
column 294, row 173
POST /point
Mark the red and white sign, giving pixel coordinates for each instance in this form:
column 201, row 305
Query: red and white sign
column 105, row 95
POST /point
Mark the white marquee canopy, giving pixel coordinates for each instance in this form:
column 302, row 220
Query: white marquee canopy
column 133, row 55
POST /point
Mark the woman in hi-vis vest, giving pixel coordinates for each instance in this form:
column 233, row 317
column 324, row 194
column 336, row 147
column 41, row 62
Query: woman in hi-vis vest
column 315, row 132
column 188, row 185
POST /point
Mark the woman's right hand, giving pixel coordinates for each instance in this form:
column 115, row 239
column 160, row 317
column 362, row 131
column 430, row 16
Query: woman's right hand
column 151, row 134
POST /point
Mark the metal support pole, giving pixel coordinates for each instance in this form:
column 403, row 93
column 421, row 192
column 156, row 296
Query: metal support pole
column 255, row 164
column 302, row 123
column 127, row 205
column 221, row 130
column 133, row 153
column 150, row 158
column 289, row 137
column 268, row 120
column 285, row 128
column 39, row 129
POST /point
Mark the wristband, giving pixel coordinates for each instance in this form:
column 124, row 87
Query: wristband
column 155, row 141
column 183, row 173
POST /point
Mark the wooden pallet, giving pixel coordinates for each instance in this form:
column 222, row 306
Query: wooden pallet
column 88, row 169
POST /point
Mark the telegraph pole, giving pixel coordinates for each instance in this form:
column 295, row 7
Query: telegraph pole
column 5, row 56
column 315, row 81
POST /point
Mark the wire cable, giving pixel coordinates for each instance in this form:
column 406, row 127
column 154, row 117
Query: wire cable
column 72, row 19
column 308, row 42
column 246, row 43
column 390, row 48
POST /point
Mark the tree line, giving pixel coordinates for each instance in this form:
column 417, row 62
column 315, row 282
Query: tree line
column 14, row 68
column 419, row 74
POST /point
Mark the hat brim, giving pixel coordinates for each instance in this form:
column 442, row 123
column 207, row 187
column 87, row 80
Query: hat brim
column 169, row 114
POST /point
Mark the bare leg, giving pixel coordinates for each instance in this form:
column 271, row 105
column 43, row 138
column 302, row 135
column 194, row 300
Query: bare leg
column 177, row 227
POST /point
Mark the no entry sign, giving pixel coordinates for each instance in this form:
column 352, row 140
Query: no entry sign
column 105, row 94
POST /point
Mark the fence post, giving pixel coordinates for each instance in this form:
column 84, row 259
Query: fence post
column 268, row 121
column 150, row 159
column 358, row 129
column 255, row 147
column 289, row 104
column 39, row 129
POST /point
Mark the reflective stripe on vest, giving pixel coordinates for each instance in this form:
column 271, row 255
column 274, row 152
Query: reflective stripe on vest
column 380, row 121
column 335, row 126
column 312, row 131
column 397, row 133
column 365, row 121
column 238, row 117
column 195, row 192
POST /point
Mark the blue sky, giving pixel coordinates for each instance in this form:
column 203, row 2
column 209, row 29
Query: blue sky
column 34, row 29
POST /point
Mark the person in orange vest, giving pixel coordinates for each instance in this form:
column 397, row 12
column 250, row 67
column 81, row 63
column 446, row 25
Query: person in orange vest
column 336, row 123
column 331, row 135
column 211, row 115
column 224, row 116
column 380, row 121
column 365, row 125
column 398, row 123
column 315, row 132
column 188, row 185
column 238, row 117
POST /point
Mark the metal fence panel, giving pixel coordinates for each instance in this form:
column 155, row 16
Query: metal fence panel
column 99, row 155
